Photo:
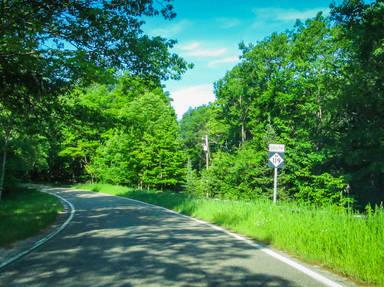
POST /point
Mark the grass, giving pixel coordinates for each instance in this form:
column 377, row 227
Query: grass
column 332, row 237
column 25, row 213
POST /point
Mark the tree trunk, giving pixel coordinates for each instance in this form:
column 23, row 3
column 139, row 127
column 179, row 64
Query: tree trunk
column 2, row 175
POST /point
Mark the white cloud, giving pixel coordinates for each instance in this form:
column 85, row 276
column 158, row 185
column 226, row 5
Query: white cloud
column 195, row 49
column 226, row 60
column 190, row 46
column 170, row 30
column 279, row 14
column 227, row 23
column 191, row 96
column 207, row 52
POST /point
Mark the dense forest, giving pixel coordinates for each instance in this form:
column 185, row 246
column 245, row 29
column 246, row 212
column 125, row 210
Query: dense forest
column 82, row 100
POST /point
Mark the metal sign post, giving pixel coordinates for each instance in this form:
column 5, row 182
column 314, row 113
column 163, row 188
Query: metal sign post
column 276, row 160
column 275, row 185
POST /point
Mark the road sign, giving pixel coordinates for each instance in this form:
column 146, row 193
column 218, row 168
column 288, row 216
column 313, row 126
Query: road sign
column 276, row 159
column 276, row 148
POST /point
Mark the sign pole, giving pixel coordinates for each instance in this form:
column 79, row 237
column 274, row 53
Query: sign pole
column 276, row 160
column 275, row 185
column 206, row 152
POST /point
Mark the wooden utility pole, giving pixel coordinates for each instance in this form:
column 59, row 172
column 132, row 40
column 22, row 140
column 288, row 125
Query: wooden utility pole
column 206, row 149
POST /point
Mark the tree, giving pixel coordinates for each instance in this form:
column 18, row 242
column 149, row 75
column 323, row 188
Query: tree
column 194, row 126
column 234, row 100
column 21, row 148
column 360, row 107
column 47, row 47
column 6, row 126
column 125, row 133
column 284, row 90
column 160, row 157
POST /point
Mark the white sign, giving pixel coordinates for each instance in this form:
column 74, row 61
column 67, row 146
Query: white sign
column 276, row 160
column 276, row 148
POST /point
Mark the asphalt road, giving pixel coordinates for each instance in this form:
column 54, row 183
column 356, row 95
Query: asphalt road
column 112, row 241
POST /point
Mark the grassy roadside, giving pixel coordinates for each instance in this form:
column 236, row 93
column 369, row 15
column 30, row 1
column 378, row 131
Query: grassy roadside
column 26, row 212
column 349, row 245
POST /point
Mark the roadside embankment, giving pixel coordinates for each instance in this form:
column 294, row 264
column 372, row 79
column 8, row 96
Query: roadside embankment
column 26, row 212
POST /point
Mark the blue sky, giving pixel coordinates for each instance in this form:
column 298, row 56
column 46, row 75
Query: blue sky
column 209, row 32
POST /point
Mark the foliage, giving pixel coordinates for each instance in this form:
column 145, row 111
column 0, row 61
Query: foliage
column 48, row 47
column 316, row 88
column 242, row 175
column 25, row 213
column 192, row 182
column 283, row 91
column 194, row 126
column 21, row 149
column 360, row 107
column 48, row 50
column 137, row 142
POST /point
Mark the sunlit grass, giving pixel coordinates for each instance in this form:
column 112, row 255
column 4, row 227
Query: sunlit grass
column 25, row 213
column 350, row 245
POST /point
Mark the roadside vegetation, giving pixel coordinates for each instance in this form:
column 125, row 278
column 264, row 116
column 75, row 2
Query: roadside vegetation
column 344, row 241
column 97, row 111
column 106, row 117
column 25, row 213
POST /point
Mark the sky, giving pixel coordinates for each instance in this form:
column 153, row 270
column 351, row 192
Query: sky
column 208, row 33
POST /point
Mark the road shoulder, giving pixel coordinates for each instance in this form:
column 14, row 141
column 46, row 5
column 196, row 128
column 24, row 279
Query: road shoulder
column 21, row 248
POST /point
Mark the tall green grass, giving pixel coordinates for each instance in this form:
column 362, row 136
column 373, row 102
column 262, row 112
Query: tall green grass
column 340, row 240
column 26, row 212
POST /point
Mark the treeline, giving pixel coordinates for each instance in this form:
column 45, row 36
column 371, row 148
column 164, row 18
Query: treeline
column 67, row 113
column 73, row 115
column 124, row 133
column 121, row 133
column 318, row 89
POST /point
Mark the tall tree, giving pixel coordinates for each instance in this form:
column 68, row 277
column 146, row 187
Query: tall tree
column 361, row 104
column 48, row 46
column 283, row 90
column 124, row 133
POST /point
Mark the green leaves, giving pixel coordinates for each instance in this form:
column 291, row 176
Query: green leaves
column 283, row 91
column 125, row 134
column 47, row 48
column 360, row 114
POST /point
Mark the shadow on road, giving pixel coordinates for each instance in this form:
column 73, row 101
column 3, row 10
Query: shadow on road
column 112, row 242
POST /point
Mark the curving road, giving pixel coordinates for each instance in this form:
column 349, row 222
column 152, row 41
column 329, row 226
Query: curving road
column 113, row 241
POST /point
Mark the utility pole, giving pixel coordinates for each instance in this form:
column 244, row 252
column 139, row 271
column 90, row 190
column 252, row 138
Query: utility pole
column 206, row 149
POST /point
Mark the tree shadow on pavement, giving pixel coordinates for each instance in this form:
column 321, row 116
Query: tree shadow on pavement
column 114, row 242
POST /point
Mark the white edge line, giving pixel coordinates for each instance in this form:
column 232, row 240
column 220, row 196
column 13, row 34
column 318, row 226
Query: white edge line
column 315, row 275
column 46, row 238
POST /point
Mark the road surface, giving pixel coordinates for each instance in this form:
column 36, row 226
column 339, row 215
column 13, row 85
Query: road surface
column 112, row 241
